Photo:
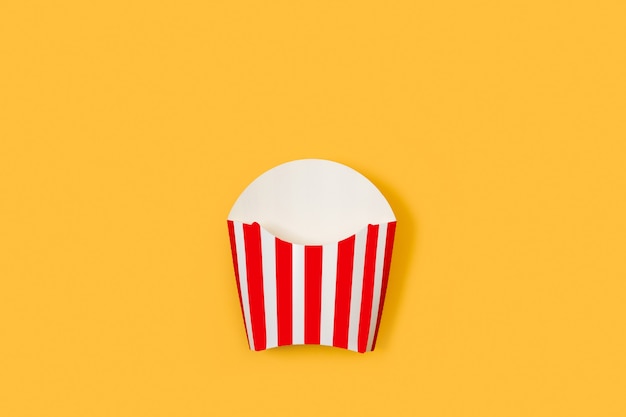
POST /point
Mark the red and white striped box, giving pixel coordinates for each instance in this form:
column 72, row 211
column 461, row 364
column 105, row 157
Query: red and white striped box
column 308, row 286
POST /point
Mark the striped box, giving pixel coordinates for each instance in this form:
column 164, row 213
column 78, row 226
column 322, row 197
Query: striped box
column 330, row 294
column 311, row 244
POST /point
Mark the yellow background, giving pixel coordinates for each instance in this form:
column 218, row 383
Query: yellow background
column 496, row 130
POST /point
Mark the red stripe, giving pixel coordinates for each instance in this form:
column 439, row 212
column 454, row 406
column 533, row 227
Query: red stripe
column 233, row 249
column 368, row 286
column 284, row 291
column 345, row 261
column 312, row 294
column 391, row 231
column 254, row 267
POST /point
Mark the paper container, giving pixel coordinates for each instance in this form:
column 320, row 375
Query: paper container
column 311, row 243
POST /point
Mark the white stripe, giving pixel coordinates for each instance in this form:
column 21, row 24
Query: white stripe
column 268, row 250
column 378, row 282
column 357, row 289
column 298, row 294
column 329, row 283
column 243, row 279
